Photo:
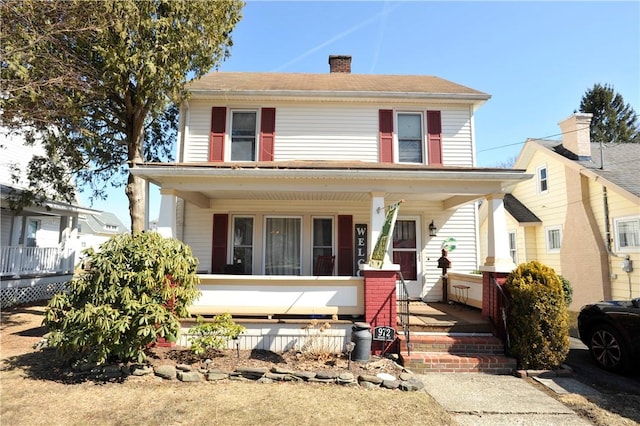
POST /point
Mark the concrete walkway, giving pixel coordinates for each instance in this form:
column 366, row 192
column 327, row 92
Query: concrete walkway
column 484, row 399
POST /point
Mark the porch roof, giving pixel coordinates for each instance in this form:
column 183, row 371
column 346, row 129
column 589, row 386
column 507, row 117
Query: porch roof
column 200, row 183
column 47, row 207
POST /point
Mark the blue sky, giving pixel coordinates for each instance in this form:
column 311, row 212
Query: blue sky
column 536, row 59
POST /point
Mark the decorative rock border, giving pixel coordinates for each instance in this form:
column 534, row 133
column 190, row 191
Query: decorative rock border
column 406, row 381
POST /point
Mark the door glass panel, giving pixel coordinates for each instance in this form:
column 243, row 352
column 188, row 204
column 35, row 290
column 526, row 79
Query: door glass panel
column 322, row 238
column 243, row 245
column 404, row 248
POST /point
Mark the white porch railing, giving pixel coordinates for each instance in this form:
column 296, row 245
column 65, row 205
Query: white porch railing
column 469, row 290
column 19, row 260
column 265, row 295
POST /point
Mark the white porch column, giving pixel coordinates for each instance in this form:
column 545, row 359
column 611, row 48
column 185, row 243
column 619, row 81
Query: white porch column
column 377, row 221
column 167, row 216
column 63, row 232
column 498, row 258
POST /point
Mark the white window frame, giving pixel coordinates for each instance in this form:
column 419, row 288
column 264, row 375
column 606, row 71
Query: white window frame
column 616, row 226
column 264, row 238
column 547, row 232
column 540, row 180
column 333, row 238
column 418, row 248
column 513, row 246
column 396, row 138
column 232, row 244
column 230, row 133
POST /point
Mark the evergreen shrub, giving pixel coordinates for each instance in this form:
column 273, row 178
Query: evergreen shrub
column 133, row 291
column 537, row 320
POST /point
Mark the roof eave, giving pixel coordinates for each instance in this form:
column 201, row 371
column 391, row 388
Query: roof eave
column 362, row 95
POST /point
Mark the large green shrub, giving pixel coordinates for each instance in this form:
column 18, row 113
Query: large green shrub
column 133, row 291
column 537, row 321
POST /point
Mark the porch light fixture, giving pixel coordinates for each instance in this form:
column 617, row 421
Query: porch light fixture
column 432, row 229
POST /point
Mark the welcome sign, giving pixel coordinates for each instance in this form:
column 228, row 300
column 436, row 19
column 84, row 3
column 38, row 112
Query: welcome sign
column 382, row 245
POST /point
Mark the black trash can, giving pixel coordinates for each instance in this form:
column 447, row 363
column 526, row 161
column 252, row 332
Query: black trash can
column 361, row 336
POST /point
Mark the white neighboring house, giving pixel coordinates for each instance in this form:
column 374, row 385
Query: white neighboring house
column 39, row 244
column 95, row 229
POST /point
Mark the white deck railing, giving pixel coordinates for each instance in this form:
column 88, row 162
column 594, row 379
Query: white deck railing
column 279, row 295
column 19, row 260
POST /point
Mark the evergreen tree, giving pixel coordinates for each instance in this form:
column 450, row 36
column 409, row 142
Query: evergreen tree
column 613, row 120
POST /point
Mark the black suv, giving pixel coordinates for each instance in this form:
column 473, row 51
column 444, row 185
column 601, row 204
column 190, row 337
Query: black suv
column 611, row 330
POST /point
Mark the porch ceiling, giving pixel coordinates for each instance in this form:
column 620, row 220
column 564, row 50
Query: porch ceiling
column 452, row 186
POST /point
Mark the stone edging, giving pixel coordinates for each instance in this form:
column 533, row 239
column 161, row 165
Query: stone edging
column 187, row 373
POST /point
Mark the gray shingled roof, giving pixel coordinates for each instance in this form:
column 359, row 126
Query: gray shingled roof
column 333, row 83
column 98, row 222
column 519, row 211
column 621, row 162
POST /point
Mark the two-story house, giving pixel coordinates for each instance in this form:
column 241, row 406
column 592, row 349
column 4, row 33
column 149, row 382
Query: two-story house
column 276, row 173
column 581, row 213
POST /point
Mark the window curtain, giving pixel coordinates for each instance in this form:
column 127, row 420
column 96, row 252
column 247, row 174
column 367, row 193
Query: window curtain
column 282, row 251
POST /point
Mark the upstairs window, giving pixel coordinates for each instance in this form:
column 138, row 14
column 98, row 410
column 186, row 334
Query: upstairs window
column 513, row 247
column 243, row 135
column 410, row 138
column 627, row 233
column 543, row 181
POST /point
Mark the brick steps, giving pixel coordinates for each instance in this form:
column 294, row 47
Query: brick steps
column 443, row 362
column 455, row 353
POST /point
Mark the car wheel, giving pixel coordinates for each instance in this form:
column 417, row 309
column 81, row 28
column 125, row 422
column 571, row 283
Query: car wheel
column 607, row 349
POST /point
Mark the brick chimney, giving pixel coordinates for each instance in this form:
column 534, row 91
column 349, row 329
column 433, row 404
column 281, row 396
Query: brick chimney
column 340, row 63
column 576, row 135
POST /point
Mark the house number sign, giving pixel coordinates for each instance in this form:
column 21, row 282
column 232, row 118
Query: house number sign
column 384, row 333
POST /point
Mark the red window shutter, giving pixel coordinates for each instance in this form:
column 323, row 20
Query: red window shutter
column 345, row 245
column 267, row 133
column 386, row 136
column 219, row 243
column 218, row 124
column 434, row 137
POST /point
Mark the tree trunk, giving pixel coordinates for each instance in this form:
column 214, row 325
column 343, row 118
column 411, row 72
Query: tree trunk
column 135, row 194
column 135, row 185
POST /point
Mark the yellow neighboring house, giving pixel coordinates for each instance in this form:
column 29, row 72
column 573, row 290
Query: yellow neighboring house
column 580, row 214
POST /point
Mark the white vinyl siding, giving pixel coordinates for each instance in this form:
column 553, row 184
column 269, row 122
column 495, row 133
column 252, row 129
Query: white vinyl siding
column 457, row 147
column 196, row 145
column 461, row 224
column 6, row 218
column 198, row 233
column 326, row 133
column 332, row 132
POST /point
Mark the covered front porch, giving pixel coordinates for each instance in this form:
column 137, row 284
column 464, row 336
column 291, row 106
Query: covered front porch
column 280, row 218
column 38, row 248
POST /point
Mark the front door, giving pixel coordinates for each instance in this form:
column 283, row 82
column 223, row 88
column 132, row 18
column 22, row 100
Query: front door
column 405, row 251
